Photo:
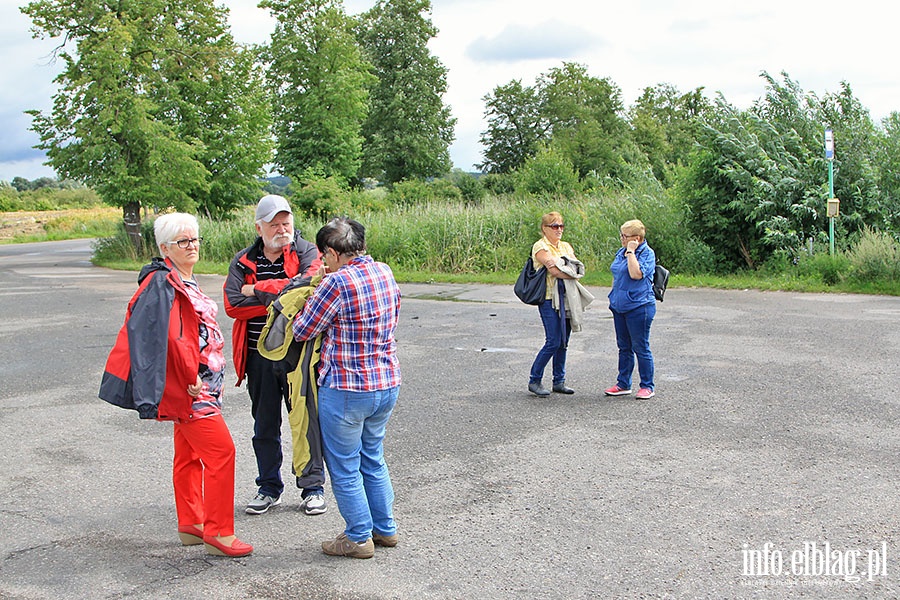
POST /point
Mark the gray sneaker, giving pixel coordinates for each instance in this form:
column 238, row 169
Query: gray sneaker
column 538, row 389
column 261, row 503
column 314, row 504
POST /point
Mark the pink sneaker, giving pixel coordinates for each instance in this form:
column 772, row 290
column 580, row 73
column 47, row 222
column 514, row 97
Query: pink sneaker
column 644, row 394
column 616, row 391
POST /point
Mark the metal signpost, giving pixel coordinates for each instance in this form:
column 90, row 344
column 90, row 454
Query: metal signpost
column 833, row 203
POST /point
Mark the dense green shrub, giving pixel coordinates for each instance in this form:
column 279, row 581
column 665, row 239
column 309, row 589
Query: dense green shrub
column 548, row 173
column 366, row 200
column 470, row 187
column 47, row 198
column 415, row 192
column 830, row 269
column 444, row 189
column 875, row 257
column 409, row 193
column 9, row 199
column 322, row 197
column 498, row 183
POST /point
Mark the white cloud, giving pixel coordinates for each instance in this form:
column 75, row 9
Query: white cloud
column 551, row 39
column 30, row 169
column 721, row 46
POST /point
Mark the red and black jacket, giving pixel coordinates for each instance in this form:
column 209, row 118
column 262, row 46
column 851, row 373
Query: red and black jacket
column 157, row 352
column 301, row 259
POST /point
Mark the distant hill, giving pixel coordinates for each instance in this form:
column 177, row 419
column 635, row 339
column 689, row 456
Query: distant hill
column 276, row 184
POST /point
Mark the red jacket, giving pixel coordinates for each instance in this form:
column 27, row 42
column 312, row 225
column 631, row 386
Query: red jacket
column 301, row 259
column 157, row 352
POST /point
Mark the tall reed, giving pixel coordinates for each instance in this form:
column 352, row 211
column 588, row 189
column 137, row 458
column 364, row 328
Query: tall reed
column 456, row 237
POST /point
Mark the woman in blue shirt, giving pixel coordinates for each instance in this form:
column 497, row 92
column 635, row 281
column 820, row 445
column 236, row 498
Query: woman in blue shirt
column 633, row 306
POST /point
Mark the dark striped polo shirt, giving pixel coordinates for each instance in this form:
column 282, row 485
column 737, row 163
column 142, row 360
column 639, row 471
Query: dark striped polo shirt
column 265, row 269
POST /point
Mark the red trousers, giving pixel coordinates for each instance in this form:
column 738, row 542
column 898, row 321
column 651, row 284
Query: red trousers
column 203, row 475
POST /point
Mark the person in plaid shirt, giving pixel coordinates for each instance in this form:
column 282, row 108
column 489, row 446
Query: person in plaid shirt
column 355, row 308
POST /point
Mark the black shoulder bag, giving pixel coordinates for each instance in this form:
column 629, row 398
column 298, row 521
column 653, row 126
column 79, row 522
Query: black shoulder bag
column 531, row 286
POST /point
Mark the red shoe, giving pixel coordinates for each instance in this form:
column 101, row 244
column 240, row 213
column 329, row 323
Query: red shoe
column 217, row 548
column 191, row 535
column 644, row 394
column 616, row 391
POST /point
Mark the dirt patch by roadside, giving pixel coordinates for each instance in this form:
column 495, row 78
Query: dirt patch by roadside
column 13, row 224
column 25, row 223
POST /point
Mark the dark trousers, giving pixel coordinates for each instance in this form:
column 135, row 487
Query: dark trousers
column 268, row 389
column 268, row 392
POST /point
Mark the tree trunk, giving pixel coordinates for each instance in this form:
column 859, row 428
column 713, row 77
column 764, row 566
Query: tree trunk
column 745, row 253
column 131, row 215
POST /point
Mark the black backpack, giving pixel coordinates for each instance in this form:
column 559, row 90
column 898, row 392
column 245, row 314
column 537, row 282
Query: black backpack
column 660, row 281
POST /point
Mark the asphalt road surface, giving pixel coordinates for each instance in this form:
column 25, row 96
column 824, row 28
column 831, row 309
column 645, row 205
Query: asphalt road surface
column 765, row 467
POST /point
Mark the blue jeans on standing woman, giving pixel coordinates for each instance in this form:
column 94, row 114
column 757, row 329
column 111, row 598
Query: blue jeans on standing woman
column 633, row 339
column 353, row 426
column 556, row 342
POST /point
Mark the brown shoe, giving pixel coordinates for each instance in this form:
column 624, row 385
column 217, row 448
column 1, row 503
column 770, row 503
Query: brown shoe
column 388, row 541
column 341, row 546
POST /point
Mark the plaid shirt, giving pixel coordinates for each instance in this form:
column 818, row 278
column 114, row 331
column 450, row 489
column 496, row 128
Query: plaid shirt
column 357, row 308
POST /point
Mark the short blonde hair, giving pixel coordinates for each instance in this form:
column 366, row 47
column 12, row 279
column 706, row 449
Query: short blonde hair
column 166, row 227
column 633, row 227
column 551, row 217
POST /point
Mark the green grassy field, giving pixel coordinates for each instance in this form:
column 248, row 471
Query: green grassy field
column 420, row 243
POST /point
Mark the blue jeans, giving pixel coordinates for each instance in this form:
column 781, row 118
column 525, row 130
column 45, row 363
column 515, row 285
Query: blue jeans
column 633, row 339
column 556, row 341
column 353, row 425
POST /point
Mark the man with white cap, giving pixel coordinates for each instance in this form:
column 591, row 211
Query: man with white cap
column 256, row 275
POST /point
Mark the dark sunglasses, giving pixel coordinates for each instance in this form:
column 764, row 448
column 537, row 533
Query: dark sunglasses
column 556, row 226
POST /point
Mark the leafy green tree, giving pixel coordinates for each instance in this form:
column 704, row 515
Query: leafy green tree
column 145, row 77
column 584, row 113
column 664, row 125
column 887, row 157
column 855, row 162
column 319, row 81
column 232, row 120
column 576, row 113
column 516, row 127
column 755, row 185
column 21, row 184
column 409, row 129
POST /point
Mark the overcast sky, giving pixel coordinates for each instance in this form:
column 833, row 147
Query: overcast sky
column 721, row 46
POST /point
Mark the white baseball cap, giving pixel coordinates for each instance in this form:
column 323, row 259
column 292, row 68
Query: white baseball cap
column 271, row 205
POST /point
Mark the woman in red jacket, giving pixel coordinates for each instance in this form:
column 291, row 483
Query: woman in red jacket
column 168, row 365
